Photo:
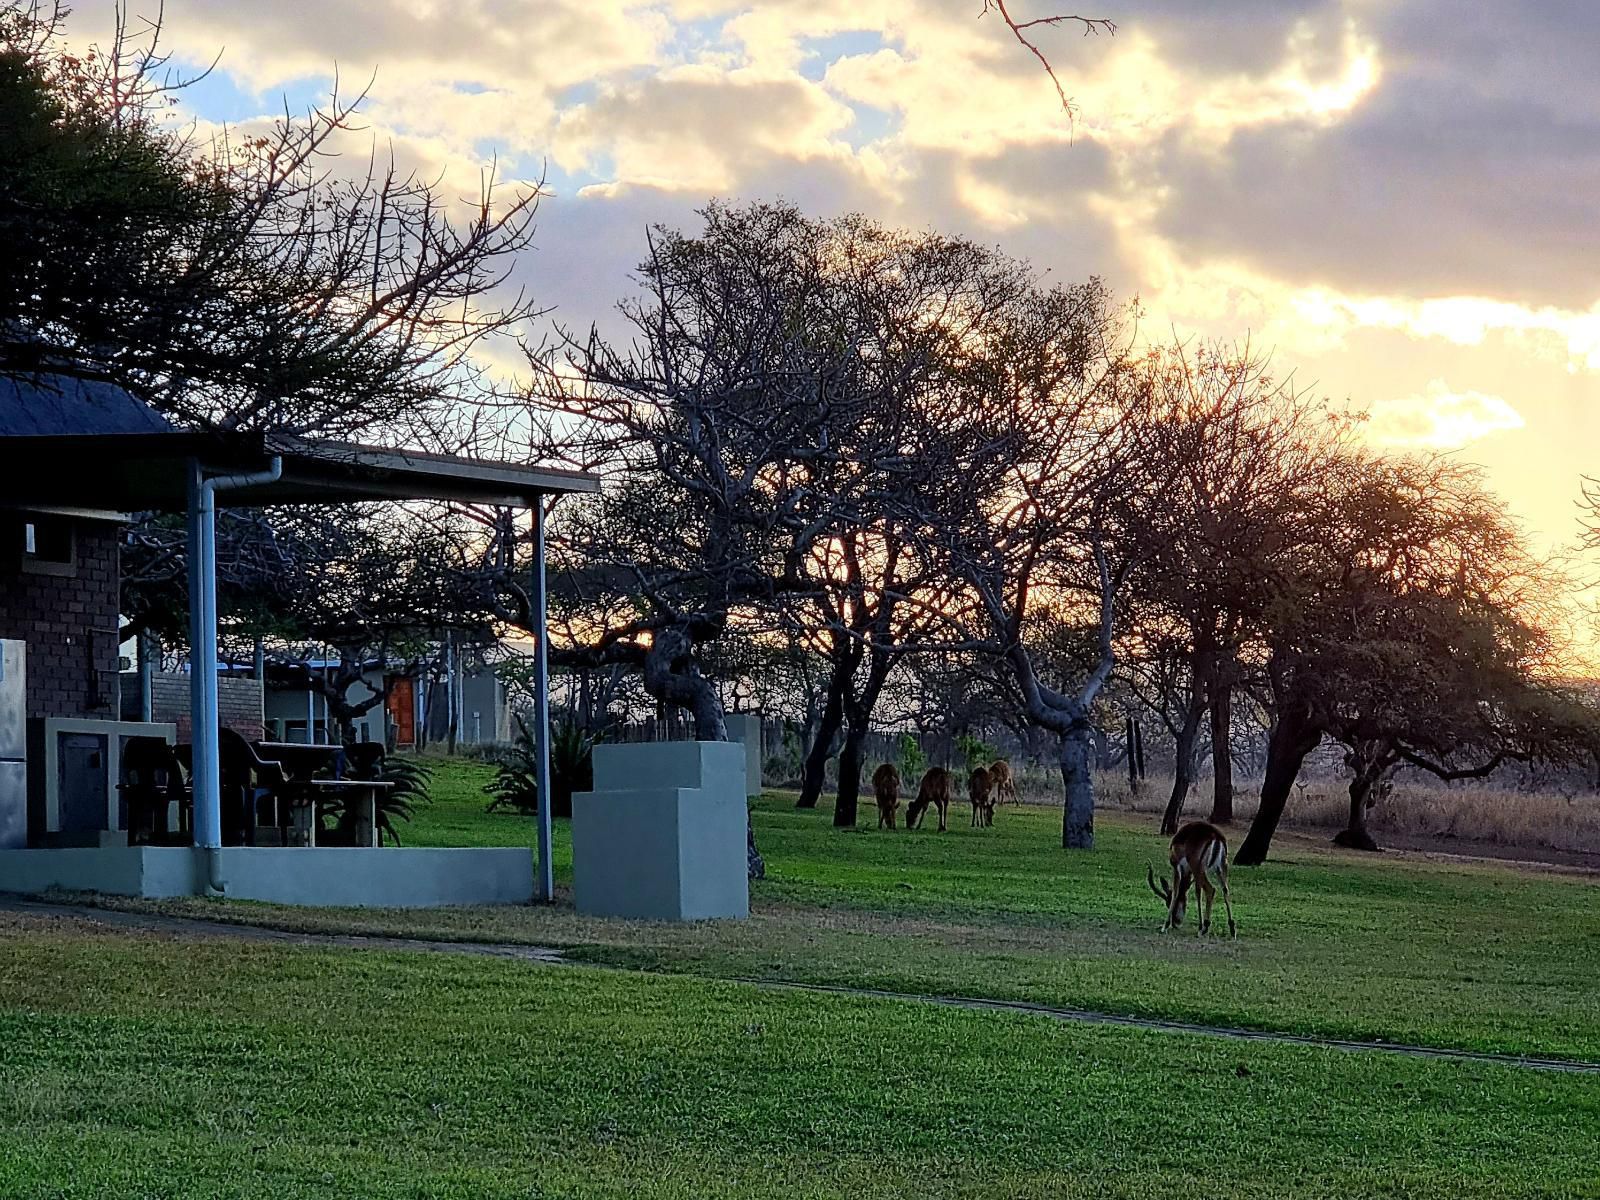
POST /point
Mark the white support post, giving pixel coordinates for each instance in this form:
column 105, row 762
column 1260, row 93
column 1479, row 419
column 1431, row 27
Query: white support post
column 311, row 705
column 545, row 885
column 148, row 652
column 205, row 769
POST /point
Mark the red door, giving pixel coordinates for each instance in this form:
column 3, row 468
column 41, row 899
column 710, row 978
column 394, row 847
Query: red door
column 402, row 706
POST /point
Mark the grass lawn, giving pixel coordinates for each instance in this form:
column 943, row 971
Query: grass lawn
column 138, row 1065
column 1482, row 957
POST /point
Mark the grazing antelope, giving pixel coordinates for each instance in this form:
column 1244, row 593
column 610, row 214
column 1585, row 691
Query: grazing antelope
column 886, row 786
column 980, row 792
column 1003, row 782
column 1198, row 854
column 935, row 789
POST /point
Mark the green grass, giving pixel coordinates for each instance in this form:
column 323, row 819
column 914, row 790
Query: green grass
column 137, row 1065
column 1474, row 956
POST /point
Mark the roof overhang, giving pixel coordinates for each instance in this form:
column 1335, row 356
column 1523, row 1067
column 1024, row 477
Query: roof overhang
column 143, row 471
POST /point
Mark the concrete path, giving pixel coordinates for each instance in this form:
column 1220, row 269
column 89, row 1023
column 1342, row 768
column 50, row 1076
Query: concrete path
column 550, row 956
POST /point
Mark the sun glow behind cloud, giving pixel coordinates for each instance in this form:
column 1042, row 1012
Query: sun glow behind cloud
column 1439, row 419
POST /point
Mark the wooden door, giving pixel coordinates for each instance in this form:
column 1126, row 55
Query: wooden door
column 402, row 706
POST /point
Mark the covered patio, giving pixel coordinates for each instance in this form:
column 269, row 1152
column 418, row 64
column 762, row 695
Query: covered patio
column 194, row 473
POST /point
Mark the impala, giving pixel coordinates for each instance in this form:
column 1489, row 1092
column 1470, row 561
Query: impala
column 935, row 789
column 1004, row 782
column 1198, row 854
column 980, row 792
column 886, row 788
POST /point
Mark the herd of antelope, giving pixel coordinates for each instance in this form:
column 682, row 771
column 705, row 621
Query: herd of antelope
column 1197, row 855
column 986, row 787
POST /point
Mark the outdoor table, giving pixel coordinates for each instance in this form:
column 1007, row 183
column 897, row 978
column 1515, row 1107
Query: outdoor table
column 316, row 789
column 301, row 760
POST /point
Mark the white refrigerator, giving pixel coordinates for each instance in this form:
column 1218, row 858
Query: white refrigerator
column 13, row 745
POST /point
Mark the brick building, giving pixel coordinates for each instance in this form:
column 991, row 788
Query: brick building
column 59, row 587
column 59, row 595
column 239, row 704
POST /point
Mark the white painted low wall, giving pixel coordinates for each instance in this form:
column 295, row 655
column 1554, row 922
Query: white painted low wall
column 322, row 877
column 154, row 872
column 662, row 836
column 396, row 877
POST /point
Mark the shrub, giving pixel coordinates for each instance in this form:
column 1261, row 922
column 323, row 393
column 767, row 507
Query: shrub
column 912, row 760
column 516, row 782
column 978, row 753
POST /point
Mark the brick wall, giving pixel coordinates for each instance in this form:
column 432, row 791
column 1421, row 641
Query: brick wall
column 69, row 622
column 238, row 703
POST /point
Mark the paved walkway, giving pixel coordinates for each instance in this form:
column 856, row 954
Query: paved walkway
column 549, row 956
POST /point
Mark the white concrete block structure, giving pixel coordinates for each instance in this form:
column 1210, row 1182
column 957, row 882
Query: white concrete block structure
column 745, row 728
column 662, row 836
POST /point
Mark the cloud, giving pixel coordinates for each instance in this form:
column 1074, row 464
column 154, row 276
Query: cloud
column 1382, row 193
column 1439, row 419
column 1450, row 177
column 697, row 128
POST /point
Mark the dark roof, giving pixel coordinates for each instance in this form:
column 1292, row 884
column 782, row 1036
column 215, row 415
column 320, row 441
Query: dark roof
column 140, row 471
column 61, row 404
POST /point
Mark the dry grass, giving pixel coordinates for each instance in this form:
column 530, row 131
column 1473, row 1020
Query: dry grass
column 1498, row 816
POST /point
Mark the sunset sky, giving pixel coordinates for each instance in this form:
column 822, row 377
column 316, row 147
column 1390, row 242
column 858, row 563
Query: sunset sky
column 1396, row 197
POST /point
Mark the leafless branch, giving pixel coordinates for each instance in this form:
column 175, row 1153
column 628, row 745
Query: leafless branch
column 1019, row 30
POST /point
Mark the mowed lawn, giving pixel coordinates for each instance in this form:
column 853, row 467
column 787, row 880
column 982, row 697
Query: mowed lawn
column 140, row 1065
column 1482, row 957
column 143, row 1064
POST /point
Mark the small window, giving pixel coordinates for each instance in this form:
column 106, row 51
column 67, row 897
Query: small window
column 47, row 546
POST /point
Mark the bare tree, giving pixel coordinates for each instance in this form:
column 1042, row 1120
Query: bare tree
column 1037, row 429
column 248, row 280
column 1236, row 451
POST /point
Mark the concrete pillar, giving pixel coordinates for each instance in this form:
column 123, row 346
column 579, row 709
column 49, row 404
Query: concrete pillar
column 663, row 835
column 745, row 728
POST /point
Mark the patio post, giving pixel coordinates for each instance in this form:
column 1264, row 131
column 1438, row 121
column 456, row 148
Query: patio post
column 205, row 776
column 545, row 884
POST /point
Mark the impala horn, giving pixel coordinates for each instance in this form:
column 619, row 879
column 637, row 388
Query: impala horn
column 1164, row 892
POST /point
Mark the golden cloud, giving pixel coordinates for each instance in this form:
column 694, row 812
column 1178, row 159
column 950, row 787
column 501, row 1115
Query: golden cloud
column 1440, row 418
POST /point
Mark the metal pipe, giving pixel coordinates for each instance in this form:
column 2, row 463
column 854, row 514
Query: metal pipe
column 203, row 747
column 207, row 776
column 541, row 703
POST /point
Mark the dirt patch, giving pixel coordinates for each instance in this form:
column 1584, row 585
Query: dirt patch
column 1542, row 859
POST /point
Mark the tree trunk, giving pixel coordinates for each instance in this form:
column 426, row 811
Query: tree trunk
column 858, row 723
column 1354, row 836
column 671, row 675
column 1222, row 754
column 1133, row 757
column 845, row 807
column 1293, row 737
column 1077, row 778
column 813, row 775
column 1182, row 768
